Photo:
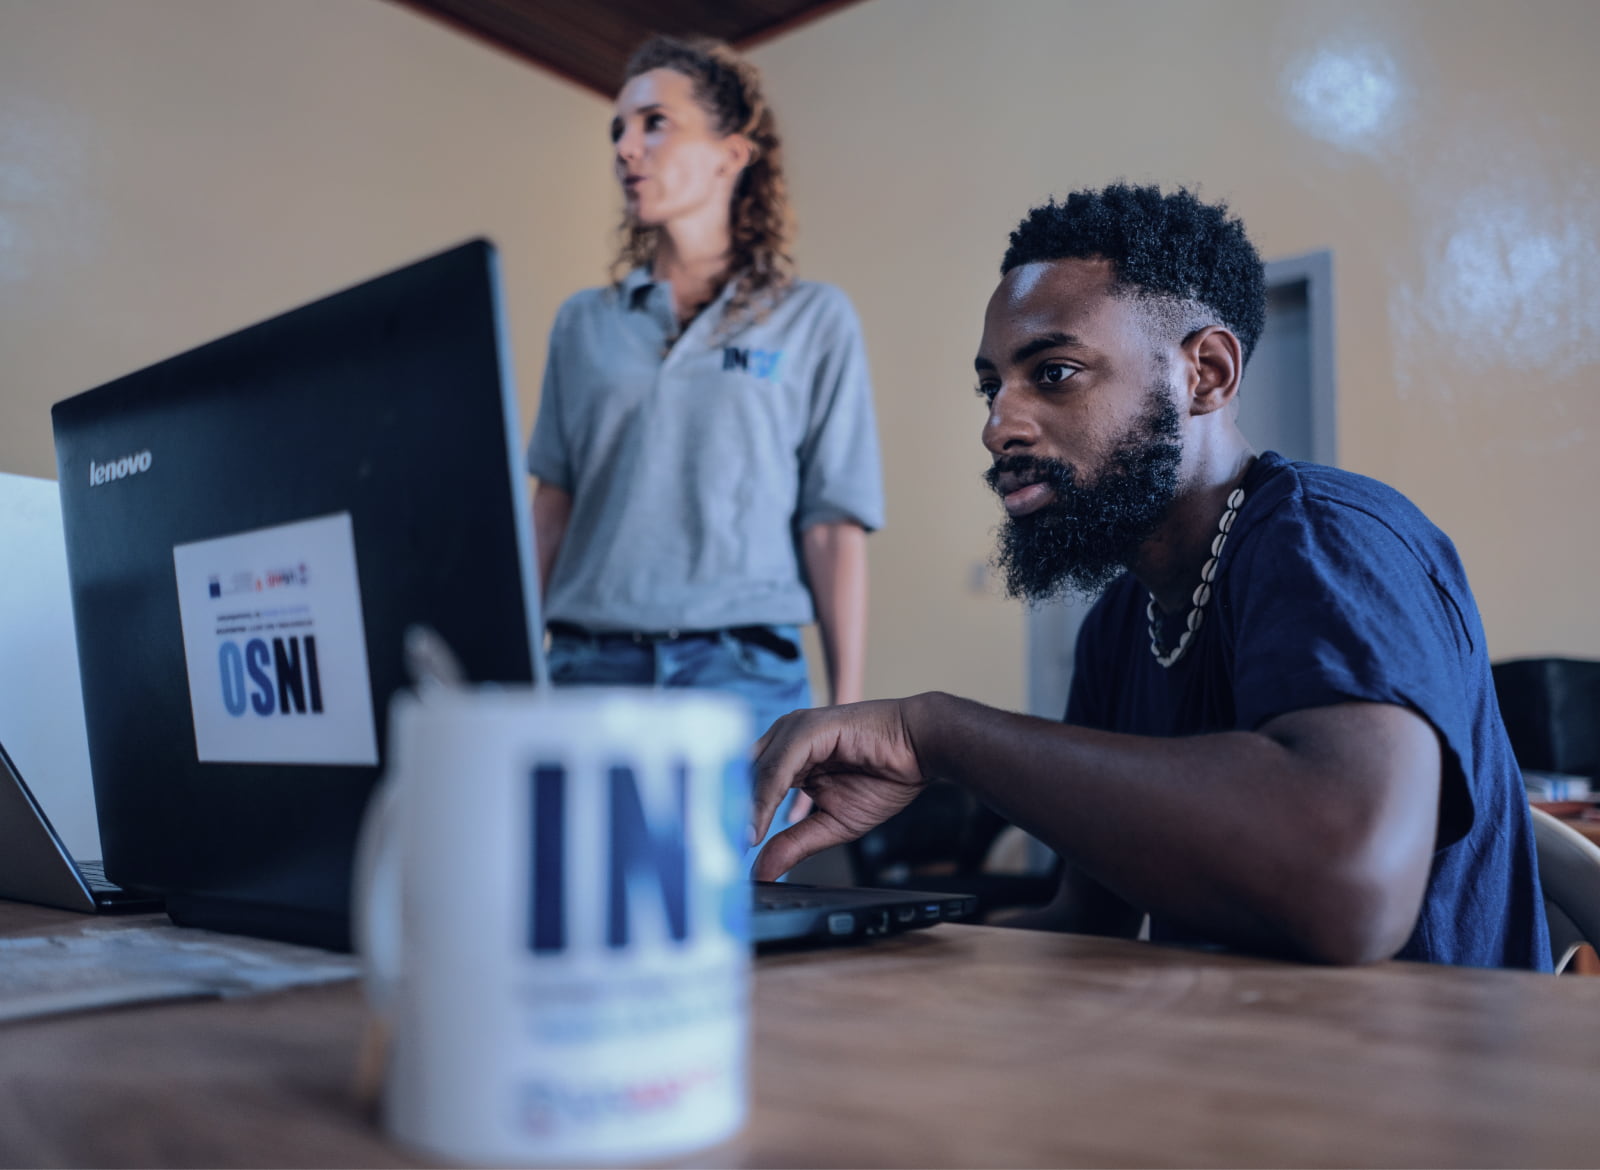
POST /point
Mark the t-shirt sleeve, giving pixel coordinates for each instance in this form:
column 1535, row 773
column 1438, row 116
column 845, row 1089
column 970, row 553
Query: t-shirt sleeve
column 549, row 457
column 1330, row 605
column 840, row 476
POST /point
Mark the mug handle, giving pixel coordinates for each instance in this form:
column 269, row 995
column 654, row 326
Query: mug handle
column 375, row 916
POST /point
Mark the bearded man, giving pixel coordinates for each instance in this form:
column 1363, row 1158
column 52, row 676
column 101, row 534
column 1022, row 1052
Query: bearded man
column 1282, row 734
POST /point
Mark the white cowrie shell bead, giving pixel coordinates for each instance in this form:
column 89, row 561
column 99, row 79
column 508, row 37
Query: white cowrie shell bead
column 1202, row 593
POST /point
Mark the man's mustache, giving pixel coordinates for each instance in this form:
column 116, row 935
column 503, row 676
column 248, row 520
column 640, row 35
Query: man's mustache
column 1029, row 469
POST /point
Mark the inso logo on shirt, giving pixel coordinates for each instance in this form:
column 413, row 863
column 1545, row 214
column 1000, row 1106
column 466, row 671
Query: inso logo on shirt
column 100, row 473
column 763, row 363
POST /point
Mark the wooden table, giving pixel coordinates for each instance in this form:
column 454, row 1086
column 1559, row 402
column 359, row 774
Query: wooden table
column 960, row 1046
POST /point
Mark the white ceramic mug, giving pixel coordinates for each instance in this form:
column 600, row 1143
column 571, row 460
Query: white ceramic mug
column 554, row 921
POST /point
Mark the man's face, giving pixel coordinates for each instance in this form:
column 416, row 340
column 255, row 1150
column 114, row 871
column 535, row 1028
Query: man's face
column 1083, row 426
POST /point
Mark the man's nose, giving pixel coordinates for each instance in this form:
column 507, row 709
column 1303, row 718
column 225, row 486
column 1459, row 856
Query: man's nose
column 1011, row 428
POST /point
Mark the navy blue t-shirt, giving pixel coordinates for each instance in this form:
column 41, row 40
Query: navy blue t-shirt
column 1333, row 587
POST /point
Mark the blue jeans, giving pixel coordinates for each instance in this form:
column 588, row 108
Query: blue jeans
column 770, row 683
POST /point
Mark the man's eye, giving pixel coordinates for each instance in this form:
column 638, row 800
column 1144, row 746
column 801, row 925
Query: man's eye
column 987, row 390
column 654, row 122
column 1054, row 373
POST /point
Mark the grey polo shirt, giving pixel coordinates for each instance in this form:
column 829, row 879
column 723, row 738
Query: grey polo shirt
column 694, row 465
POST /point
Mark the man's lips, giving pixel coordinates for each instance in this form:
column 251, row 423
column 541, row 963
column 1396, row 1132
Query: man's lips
column 1023, row 485
column 1020, row 499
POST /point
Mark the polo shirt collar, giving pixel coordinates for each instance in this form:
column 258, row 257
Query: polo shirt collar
column 639, row 284
column 636, row 287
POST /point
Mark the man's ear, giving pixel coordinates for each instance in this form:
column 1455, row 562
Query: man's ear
column 1216, row 363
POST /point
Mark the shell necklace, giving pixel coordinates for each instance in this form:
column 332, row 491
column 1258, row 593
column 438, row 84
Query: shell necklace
column 1202, row 593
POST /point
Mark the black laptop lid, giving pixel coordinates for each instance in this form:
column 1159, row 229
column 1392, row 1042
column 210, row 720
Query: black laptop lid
column 383, row 415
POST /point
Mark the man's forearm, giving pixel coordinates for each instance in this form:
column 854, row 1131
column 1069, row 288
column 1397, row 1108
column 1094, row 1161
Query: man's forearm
column 836, row 567
column 1253, row 839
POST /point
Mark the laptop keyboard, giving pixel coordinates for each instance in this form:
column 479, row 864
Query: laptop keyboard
column 94, row 876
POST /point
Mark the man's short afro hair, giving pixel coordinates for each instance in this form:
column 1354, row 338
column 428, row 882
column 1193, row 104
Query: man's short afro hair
column 1159, row 245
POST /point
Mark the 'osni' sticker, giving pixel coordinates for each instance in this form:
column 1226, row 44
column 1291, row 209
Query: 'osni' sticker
column 275, row 645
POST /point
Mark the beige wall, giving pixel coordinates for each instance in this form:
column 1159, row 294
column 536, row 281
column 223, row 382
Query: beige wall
column 171, row 170
column 1448, row 152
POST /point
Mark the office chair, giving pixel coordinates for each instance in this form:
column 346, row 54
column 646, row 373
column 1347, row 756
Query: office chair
column 1569, row 871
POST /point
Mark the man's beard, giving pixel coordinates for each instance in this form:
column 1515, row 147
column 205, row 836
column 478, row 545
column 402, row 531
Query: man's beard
column 1083, row 539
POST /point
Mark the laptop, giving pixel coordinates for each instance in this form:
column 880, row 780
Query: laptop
column 47, row 821
column 788, row 914
column 35, row 866
column 41, row 702
column 251, row 527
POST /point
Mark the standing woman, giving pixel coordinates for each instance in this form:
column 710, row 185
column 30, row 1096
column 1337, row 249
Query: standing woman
column 705, row 448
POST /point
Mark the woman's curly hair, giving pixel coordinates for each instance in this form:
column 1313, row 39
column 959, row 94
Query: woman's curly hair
column 728, row 88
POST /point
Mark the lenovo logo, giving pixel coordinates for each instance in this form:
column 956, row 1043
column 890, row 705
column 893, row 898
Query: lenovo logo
column 100, row 473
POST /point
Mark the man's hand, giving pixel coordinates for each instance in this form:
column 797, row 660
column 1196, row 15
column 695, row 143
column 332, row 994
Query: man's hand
column 858, row 764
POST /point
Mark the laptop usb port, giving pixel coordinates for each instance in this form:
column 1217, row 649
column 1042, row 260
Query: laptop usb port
column 931, row 910
column 841, row 923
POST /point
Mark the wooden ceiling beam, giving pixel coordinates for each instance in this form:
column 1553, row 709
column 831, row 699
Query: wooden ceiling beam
column 589, row 41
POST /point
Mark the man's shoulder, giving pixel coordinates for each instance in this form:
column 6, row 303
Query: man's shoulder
column 1292, row 490
column 1320, row 481
column 1330, row 515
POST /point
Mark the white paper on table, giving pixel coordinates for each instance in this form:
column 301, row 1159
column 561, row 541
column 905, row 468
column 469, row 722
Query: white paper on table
column 100, row 966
